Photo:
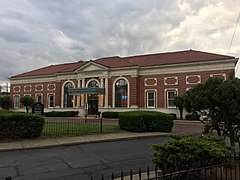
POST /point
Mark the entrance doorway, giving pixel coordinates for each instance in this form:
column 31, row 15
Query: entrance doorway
column 92, row 104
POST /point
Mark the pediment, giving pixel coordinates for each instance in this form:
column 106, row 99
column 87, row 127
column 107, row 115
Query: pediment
column 91, row 66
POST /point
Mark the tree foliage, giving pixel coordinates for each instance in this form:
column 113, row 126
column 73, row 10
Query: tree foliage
column 27, row 102
column 179, row 102
column 219, row 100
column 5, row 102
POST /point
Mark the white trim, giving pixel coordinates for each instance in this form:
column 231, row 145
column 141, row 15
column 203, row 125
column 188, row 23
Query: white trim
column 146, row 79
column 220, row 74
column 51, row 89
column 189, row 76
column 166, row 96
column 93, row 79
column 16, row 87
column 27, row 95
column 14, row 103
column 24, row 88
column 38, row 85
column 113, row 94
column 171, row 77
column 146, row 98
column 39, row 94
column 62, row 93
column 48, row 102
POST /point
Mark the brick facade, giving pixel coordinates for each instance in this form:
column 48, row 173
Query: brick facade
column 155, row 82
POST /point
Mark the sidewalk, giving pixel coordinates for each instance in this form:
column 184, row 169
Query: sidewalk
column 180, row 127
column 60, row 141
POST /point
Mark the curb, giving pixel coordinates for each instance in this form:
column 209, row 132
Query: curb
column 88, row 141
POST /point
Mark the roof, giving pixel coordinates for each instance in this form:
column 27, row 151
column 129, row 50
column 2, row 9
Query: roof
column 187, row 56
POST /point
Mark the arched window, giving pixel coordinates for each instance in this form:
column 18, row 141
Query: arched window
column 68, row 99
column 121, row 93
column 93, row 84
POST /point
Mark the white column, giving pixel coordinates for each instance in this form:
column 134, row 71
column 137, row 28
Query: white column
column 100, row 97
column 78, row 96
column 106, row 92
column 82, row 96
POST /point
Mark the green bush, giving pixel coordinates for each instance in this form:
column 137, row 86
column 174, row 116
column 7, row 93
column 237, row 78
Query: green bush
column 110, row 114
column 20, row 125
column 174, row 115
column 61, row 113
column 192, row 117
column 189, row 152
column 145, row 121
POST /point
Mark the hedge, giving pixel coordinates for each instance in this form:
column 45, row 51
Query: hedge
column 192, row 117
column 189, row 152
column 110, row 114
column 61, row 114
column 145, row 121
column 20, row 125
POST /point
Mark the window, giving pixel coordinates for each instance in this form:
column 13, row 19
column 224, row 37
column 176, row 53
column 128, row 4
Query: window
column 39, row 98
column 171, row 94
column 16, row 101
column 51, row 100
column 151, row 99
column 93, row 84
column 121, row 93
column 68, row 99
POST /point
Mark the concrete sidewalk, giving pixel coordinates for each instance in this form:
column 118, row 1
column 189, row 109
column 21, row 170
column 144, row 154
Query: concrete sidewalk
column 60, row 141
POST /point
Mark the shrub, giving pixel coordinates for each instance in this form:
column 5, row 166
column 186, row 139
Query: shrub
column 109, row 114
column 174, row 115
column 5, row 102
column 61, row 114
column 192, row 117
column 187, row 152
column 20, row 125
column 145, row 121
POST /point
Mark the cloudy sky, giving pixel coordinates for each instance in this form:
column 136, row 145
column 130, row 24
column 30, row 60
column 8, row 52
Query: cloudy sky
column 37, row 33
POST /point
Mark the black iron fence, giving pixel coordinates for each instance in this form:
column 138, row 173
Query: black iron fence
column 225, row 171
column 77, row 126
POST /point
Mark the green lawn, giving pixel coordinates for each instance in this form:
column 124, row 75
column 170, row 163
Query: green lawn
column 76, row 129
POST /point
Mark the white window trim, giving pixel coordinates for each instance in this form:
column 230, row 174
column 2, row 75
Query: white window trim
column 39, row 94
column 27, row 95
column 16, row 87
column 171, row 77
column 62, row 99
column 37, row 86
column 113, row 94
column 51, row 85
column 14, row 101
column 166, row 97
column 90, row 80
column 48, row 102
column 220, row 74
column 146, row 98
column 199, row 79
column 146, row 79
column 24, row 88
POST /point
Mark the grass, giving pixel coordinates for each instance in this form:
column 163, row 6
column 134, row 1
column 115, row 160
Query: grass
column 76, row 129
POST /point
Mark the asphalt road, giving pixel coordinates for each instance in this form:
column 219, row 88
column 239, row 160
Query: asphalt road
column 79, row 161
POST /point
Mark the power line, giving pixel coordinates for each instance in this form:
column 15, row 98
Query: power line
column 233, row 34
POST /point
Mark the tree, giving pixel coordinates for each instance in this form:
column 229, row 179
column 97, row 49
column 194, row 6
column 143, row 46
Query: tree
column 5, row 102
column 27, row 102
column 219, row 100
column 179, row 102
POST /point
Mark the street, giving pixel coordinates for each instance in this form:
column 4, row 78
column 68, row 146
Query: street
column 79, row 161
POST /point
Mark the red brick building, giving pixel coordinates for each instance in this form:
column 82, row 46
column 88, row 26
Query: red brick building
column 120, row 83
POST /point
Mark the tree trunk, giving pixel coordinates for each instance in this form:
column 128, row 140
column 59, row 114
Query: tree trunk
column 232, row 141
column 181, row 113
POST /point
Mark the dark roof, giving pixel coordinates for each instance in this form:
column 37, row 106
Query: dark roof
column 187, row 56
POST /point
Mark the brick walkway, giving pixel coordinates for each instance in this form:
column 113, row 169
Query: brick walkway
column 187, row 127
